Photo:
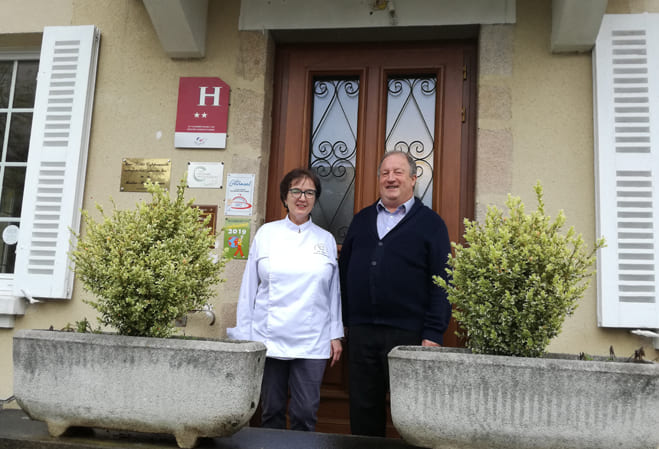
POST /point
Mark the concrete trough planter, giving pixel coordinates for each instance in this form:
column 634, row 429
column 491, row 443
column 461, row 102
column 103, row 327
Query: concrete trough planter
column 189, row 388
column 450, row 398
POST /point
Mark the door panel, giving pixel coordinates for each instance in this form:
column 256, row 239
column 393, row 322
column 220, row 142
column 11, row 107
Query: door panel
column 374, row 70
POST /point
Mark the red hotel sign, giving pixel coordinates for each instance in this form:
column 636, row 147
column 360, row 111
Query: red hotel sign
column 201, row 116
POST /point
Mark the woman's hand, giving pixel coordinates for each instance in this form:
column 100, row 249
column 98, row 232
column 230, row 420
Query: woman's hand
column 335, row 351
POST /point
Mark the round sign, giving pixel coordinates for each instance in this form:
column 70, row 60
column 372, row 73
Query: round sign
column 10, row 235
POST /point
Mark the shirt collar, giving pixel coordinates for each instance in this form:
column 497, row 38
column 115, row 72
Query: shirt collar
column 405, row 207
column 292, row 226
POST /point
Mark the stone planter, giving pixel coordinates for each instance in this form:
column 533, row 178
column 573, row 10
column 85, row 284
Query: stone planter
column 189, row 388
column 443, row 397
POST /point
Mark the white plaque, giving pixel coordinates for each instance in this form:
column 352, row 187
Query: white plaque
column 240, row 194
column 205, row 175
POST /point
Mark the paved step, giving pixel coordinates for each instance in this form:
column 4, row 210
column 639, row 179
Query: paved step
column 18, row 431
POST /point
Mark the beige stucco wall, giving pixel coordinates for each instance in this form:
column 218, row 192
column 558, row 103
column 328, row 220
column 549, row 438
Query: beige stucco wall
column 553, row 142
column 534, row 122
column 134, row 116
column 30, row 16
column 632, row 6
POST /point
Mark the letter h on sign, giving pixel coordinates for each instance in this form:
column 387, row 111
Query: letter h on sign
column 215, row 95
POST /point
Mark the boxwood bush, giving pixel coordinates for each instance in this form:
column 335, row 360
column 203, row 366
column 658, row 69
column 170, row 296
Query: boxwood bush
column 516, row 279
column 147, row 266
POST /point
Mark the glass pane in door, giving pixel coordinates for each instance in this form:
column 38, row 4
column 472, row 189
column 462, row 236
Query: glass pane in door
column 411, row 126
column 332, row 152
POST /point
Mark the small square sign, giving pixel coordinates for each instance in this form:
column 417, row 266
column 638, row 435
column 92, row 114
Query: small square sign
column 205, row 175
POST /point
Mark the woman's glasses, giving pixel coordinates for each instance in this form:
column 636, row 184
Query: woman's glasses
column 297, row 193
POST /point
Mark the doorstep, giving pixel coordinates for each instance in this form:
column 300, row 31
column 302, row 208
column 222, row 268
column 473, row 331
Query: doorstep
column 18, row 431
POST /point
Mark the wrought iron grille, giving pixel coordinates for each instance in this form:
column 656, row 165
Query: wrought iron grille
column 410, row 127
column 332, row 152
column 411, row 103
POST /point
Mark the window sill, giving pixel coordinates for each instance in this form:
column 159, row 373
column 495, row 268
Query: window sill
column 10, row 306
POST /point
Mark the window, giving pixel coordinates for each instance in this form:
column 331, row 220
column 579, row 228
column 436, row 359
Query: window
column 18, row 81
column 46, row 101
column 626, row 94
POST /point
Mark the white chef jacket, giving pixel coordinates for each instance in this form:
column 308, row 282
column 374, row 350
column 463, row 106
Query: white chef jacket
column 290, row 296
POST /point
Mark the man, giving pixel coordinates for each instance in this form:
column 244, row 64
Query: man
column 390, row 253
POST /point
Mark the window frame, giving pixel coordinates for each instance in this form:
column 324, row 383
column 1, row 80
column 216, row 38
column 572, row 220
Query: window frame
column 6, row 279
column 11, row 305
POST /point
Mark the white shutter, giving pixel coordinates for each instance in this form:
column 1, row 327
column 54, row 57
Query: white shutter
column 626, row 94
column 57, row 161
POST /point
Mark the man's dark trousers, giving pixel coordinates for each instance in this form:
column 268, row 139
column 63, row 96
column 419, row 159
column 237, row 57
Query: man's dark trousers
column 369, row 374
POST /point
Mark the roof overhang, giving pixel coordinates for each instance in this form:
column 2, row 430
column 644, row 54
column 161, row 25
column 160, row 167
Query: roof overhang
column 181, row 24
column 575, row 24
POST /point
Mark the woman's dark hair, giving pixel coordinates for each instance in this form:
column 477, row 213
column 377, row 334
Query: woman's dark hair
column 294, row 175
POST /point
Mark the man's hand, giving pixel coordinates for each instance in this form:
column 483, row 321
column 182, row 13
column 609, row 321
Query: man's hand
column 335, row 351
column 425, row 342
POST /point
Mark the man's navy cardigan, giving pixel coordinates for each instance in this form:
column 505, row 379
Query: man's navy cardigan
column 389, row 281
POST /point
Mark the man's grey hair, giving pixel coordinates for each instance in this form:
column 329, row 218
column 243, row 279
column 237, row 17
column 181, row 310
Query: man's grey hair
column 410, row 160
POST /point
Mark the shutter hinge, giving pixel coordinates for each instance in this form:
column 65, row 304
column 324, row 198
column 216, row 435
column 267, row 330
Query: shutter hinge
column 464, row 113
column 464, row 72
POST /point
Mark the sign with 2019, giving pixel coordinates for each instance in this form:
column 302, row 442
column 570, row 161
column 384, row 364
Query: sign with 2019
column 236, row 238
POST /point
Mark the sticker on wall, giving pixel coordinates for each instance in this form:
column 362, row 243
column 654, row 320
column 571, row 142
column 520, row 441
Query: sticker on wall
column 205, row 175
column 10, row 235
column 240, row 193
column 236, row 238
column 202, row 113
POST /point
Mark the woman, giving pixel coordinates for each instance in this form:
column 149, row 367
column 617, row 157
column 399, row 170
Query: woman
column 289, row 299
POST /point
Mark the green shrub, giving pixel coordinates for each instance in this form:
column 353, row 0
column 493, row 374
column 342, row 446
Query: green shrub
column 147, row 266
column 517, row 279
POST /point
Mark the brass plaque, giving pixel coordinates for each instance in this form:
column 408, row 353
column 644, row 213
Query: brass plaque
column 135, row 172
column 205, row 212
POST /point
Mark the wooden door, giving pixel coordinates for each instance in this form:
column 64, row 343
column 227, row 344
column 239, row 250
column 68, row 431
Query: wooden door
column 358, row 86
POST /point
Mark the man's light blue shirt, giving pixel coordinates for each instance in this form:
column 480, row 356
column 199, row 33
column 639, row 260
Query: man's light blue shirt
column 388, row 220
